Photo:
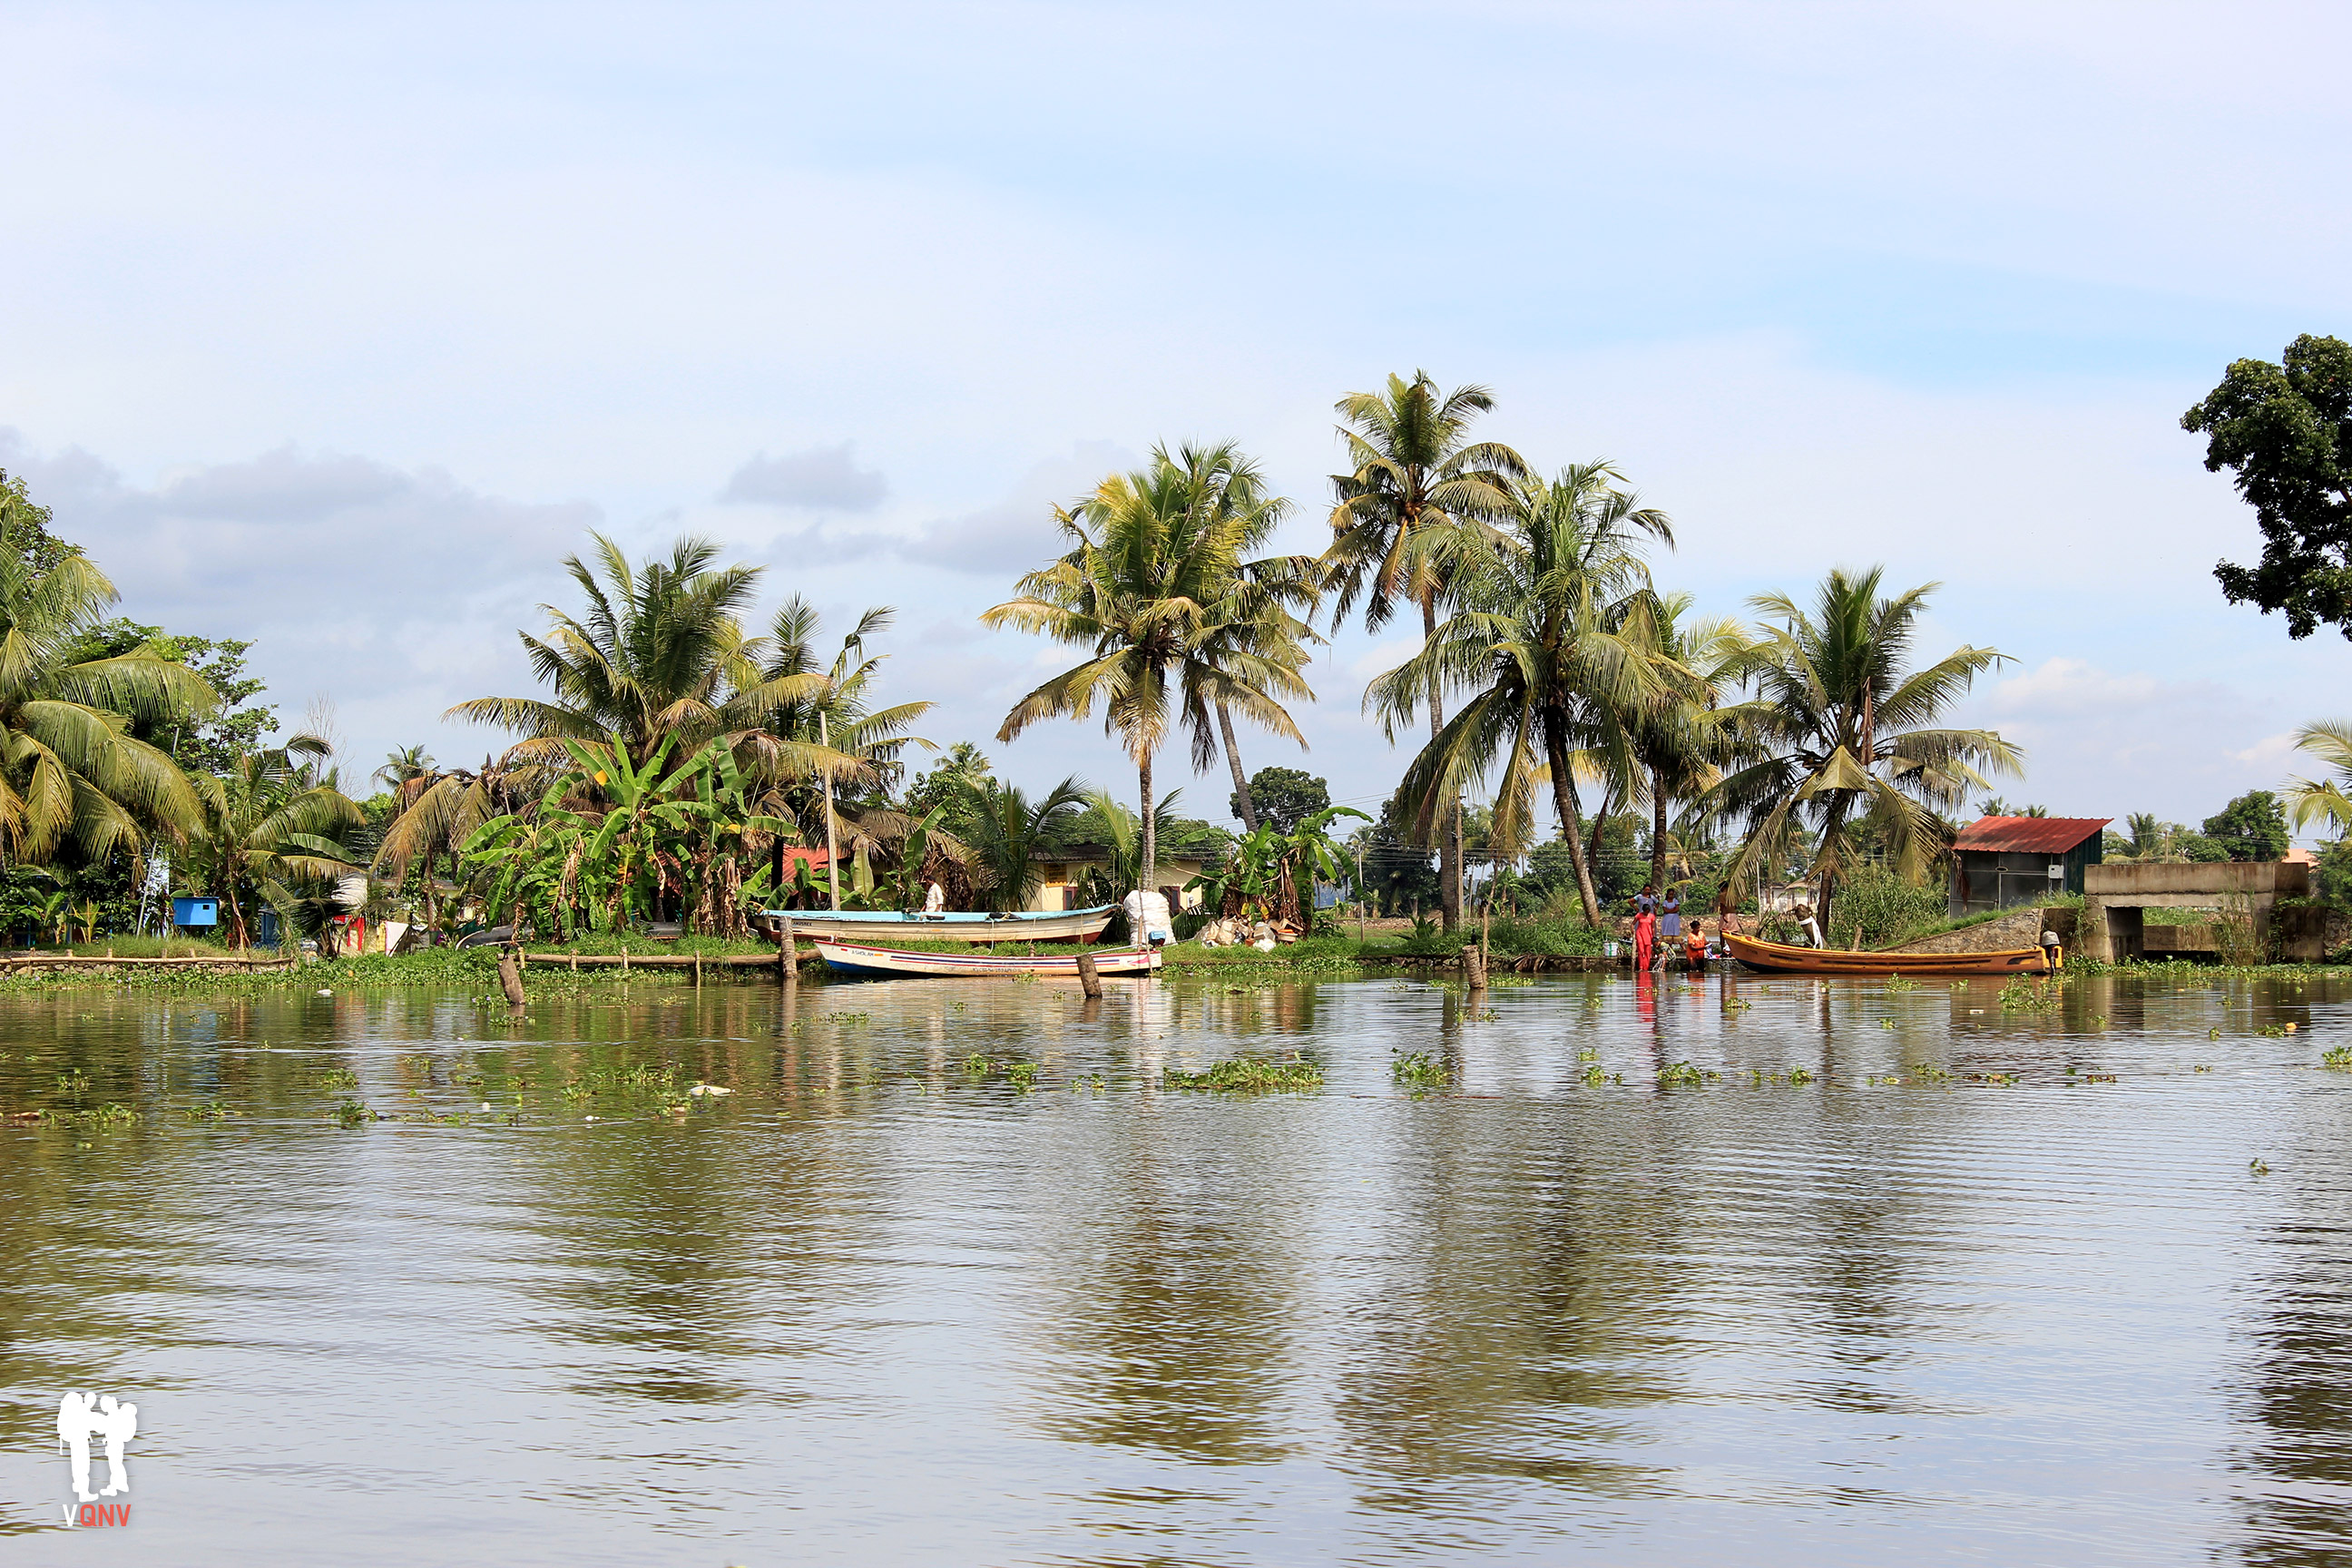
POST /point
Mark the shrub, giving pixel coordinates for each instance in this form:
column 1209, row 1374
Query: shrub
column 1873, row 907
column 1553, row 938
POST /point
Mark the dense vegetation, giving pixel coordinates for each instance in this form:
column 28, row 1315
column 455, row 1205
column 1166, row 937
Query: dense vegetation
column 1573, row 731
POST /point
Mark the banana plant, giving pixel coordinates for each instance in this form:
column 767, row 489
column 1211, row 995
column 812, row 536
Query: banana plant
column 1265, row 863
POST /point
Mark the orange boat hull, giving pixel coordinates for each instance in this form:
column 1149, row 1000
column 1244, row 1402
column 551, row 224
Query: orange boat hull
column 1780, row 958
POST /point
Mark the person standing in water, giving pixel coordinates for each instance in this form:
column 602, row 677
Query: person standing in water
column 1645, row 928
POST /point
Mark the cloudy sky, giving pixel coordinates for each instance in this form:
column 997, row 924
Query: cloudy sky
column 337, row 327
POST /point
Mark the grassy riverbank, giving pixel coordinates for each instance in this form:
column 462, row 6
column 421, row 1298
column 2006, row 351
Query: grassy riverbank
column 475, row 969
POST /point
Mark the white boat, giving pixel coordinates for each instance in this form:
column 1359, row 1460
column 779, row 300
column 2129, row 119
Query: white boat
column 856, row 958
column 1025, row 925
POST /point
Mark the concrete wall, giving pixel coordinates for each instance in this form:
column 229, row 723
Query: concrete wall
column 2019, row 929
column 2251, row 878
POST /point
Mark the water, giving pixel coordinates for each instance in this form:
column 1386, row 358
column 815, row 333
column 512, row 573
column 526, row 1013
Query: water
column 875, row 1308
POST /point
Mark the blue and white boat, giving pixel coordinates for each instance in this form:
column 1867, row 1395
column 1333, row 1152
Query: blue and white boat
column 886, row 925
column 892, row 963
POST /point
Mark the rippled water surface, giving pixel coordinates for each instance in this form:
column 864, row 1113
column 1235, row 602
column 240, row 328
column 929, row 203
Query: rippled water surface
column 1992, row 1286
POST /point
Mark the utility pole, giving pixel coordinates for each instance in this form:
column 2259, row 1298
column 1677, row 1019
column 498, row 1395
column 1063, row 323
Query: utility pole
column 832, row 859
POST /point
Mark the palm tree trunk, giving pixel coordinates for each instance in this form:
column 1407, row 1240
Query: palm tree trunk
column 1149, row 867
column 1599, row 822
column 1571, row 823
column 1658, row 829
column 1449, row 854
column 236, row 917
column 1234, row 760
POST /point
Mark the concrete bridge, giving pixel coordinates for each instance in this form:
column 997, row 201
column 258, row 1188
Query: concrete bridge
column 2116, row 899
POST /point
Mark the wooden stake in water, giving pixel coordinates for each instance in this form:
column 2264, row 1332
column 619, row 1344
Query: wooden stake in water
column 1089, row 977
column 787, row 956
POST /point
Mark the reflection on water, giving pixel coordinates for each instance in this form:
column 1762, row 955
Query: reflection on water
column 1995, row 1284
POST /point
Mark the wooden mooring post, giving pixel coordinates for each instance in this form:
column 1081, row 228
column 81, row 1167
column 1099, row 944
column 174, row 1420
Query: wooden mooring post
column 788, row 956
column 1474, row 967
column 1089, row 977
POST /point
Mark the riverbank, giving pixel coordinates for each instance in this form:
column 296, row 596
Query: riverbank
column 594, row 966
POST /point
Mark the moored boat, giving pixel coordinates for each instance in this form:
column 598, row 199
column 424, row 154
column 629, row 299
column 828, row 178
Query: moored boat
column 1023, row 925
column 858, row 958
column 1780, row 958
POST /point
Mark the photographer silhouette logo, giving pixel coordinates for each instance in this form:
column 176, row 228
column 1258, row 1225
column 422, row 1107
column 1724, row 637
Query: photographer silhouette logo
column 114, row 1423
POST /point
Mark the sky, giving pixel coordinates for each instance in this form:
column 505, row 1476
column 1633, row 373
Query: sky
column 337, row 327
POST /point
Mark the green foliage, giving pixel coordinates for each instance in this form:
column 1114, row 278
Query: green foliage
column 270, row 831
column 2250, row 828
column 1006, row 830
column 1175, row 619
column 1876, row 908
column 72, row 772
column 1555, row 938
column 1554, row 640
column 1851, row 736
column 1284, row 798
column 2285, row 432
column 1417, row 1070
column 1249, row 1075
column 947, row 786
column 1254, row 873
column 569, row 865
column 200, row 743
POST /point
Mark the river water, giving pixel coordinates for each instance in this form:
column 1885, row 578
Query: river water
column 950, row 1277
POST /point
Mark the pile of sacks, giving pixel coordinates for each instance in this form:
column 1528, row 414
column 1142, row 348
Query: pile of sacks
column 1229, row 931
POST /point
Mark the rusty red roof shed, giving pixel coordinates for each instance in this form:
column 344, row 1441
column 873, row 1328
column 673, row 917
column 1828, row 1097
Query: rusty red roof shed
column 2028, row 834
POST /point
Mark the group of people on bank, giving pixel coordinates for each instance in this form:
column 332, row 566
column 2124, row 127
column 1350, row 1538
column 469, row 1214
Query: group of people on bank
column 1659, row 937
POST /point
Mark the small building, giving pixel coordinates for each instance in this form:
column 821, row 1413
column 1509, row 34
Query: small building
column 1999, row 862
column 1063, row 876
column 198, row 914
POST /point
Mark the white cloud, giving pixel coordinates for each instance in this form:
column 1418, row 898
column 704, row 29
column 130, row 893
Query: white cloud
column 1381, row 657
column 2070, row 686
column 822, row 479
column 2272, row 753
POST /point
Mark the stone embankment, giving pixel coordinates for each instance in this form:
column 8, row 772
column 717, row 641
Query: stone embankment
column 2018, row 928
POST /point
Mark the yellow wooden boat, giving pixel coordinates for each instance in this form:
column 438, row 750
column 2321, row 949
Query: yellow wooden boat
column 1780, row 957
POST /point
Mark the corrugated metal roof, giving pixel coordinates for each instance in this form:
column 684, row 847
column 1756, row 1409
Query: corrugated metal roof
column 2028, row 834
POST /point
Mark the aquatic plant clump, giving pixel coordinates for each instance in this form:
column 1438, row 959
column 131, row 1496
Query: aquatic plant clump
column 1249, row 1075
column 1417, row 1070
column 2339, row 1058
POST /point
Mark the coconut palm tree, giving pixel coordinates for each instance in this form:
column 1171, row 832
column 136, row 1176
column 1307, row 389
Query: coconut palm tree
column 1255, row 627
column 1683, row 739
column 436, row 811
column 1155, row 557
column 268, row 828
column 1008, row 829
column 1847, row 733
column 2330, row 800
column 1552, row 629
column 402, row 766
column 822, row 723
column 70, row 771
column 659, row 654
column 1413, row 472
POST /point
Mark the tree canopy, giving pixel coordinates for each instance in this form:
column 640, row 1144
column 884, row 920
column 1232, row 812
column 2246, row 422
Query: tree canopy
column 1284, row 798
column 2285, row 432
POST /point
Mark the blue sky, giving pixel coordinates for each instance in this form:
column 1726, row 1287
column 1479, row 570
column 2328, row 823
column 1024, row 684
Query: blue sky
column 337, row 327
